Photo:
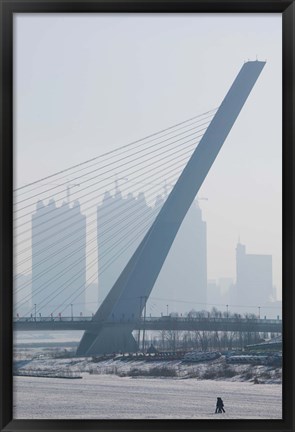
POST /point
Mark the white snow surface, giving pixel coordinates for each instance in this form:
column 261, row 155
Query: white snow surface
column 113, row 397
column 79, row 365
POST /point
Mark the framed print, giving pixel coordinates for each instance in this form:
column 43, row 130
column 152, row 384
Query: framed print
column 147, row 223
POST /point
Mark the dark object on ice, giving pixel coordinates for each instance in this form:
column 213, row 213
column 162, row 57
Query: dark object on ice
column 219, row 406
column 256, row 380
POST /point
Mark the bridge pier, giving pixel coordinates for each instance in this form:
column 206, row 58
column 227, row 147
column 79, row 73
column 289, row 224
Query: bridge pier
column 111, row 338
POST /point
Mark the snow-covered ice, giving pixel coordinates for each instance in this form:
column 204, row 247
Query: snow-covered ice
column 113, row 397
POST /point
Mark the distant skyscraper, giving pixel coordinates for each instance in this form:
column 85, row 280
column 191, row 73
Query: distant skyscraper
column 58, row 258
column 120, row 228
column 23, row 293
column 225, row 284
column 254, row 286
column 214, row 297
column 91, row 297
column 184, row 273
column 121, row 225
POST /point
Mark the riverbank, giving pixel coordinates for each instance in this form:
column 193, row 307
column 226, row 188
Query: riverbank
column 114, row 397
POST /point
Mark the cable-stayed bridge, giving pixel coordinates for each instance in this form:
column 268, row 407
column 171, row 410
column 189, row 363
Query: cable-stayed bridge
column 251, row 325
column 51, row 243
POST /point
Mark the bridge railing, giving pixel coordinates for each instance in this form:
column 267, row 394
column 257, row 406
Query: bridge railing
column 212, row 319
column 153, row 319
column 52, row 319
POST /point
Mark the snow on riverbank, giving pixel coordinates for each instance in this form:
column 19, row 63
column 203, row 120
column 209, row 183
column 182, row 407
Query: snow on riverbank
column 215, row 370
column 113, row 397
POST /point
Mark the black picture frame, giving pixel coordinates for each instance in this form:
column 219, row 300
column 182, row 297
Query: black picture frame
column 8, row 8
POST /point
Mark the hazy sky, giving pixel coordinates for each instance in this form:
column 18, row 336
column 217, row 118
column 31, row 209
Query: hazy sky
column 88, row 83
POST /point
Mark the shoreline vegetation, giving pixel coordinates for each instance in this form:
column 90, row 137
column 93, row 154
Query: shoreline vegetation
column 57, row 364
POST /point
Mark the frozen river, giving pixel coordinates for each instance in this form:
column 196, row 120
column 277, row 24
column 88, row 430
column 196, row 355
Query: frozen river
column 113, row 397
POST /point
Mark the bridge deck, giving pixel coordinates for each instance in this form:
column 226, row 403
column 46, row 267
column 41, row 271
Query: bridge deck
column 162, row 323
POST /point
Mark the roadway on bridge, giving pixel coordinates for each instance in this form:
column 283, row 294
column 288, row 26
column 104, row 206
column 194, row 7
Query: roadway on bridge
column 151, row 323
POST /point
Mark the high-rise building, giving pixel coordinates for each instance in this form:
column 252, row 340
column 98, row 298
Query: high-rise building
column 219, row 293
column 183, row 277
column 91, row 297
column 58, row 258
column 22, row 293
column 254, row 285
column 214, row 298
column 121, row 224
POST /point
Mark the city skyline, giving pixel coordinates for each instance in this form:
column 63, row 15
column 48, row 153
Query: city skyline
column 89, row 111
column 163, row 290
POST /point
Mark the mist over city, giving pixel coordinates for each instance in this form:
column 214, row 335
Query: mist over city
column 147, row 221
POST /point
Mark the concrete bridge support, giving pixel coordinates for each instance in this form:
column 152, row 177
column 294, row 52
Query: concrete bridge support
column 138, row 277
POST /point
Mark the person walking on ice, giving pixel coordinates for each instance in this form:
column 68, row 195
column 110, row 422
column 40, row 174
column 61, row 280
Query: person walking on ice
column 219, row 406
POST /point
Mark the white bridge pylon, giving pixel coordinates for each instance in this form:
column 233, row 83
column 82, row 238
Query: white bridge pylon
column 140, row 274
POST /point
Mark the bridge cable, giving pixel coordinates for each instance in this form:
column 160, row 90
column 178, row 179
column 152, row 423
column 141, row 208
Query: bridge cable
column 112, row 151
column 141, row 161
column 91, row 199
column 143, row 212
